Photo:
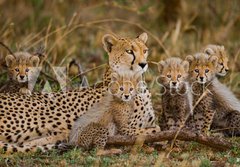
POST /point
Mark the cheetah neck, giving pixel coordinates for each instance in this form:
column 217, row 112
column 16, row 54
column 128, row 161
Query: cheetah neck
column 225, row 95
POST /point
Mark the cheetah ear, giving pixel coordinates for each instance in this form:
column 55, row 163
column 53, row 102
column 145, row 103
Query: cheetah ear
column 115, row 77
column 10, row 59
column 34, row 61
column 161, row 64
column 214, row 60
column 143, row 37
column 108, row 41
column 209, row 51
column 222, row 48
column 185, row 65
column 189, row 58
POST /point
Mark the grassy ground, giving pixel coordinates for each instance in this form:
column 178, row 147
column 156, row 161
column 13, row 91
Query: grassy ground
column 74, row 30
column 192, row 154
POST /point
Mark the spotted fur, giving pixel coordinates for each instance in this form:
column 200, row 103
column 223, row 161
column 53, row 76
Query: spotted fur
column 49, row 117
column 220, row 52
column 22, row 72
column 176, row 97
column 225, row 119
column 201, row 73
column 114, row 116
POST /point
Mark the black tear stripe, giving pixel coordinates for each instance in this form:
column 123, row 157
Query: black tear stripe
column 222, row 69
column 134, row 57
column 206, row 76
column 197, row 76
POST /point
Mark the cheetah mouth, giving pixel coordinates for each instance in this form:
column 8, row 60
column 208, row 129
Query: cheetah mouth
column 173, row 87
column 201, row 82
column 222, row 74
column 126, row 100
column 22, row 81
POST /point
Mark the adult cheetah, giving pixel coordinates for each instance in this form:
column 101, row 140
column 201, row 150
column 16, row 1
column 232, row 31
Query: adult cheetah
column 42, row 120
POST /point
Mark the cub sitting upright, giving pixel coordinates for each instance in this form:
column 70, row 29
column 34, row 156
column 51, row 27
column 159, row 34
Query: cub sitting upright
column 21, row 70
column 226, row 119
column 176, row 98
column 201, row 74
column 113, row 115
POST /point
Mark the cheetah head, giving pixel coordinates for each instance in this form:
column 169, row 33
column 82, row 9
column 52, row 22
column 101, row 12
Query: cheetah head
column 21, row 66
column 202, row 67
column 219, row 51
column 127, row 55
column 173, row 72
column 124, row 87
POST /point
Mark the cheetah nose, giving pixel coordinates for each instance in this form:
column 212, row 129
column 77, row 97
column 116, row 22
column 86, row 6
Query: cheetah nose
column 226, row 70
column 142, row 65
column 174, row 83
column 22, row 76
column 201, row 78
column 126, row 96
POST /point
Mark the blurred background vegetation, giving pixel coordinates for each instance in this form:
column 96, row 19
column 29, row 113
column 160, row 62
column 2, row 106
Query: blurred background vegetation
column 73, row 29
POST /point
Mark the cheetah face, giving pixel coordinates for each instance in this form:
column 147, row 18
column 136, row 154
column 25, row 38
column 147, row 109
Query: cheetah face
column 123, row 90
column 124, row 87
column 127, row 56
column 21, row 66
column 219, row 51
column 202, row 67
column 20, row 73
column 222, row 67
column 173, row 72
column 126, row 91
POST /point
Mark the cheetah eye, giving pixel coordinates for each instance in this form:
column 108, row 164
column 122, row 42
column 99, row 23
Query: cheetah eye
column 196, row 70
column 221, row 64
column 129, row 51
column 145, row 51
column 131, row 89
column 27, row 70
column 16, row 69
column 121, row 88
column 179, row 76
column 169, row 76
column 207, row 70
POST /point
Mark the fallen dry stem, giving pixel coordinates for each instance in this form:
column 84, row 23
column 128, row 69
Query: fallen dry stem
column 213, row 142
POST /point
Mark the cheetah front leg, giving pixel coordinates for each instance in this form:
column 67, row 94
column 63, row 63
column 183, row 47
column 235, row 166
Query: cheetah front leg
column 8, row 148
column 94, row 135
column 47, row 140
column 143, row 106
column 100, row 140
column 33, row 134
column 170, row 123
column 208, row 118
column 198, row 119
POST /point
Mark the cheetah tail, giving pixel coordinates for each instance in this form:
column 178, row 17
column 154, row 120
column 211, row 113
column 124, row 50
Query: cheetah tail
column 9, row 148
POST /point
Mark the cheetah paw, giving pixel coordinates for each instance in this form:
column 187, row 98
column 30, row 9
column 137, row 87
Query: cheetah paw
column 112, row 151
column 25, row 91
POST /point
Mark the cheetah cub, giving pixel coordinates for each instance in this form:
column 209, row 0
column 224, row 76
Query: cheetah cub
column 112, row 116
column 21, row 72
column 202, row 72
column 176, row 97
column 220, row 52
column 226, row 118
